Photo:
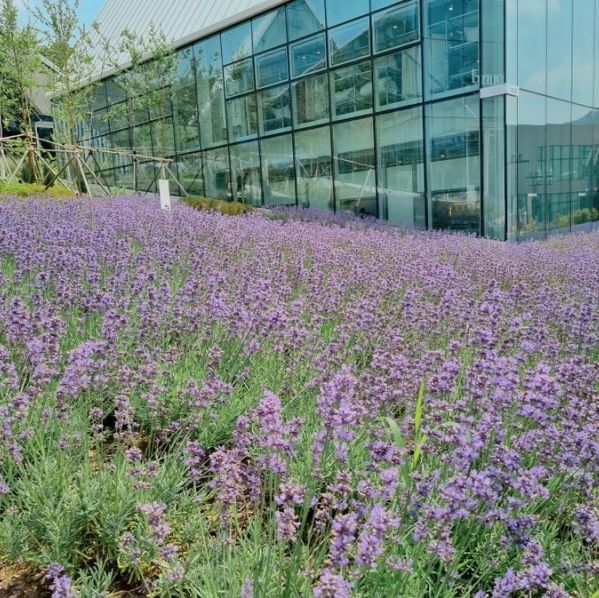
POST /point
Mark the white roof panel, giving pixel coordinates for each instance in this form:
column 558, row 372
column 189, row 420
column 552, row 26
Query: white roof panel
column 182, row 21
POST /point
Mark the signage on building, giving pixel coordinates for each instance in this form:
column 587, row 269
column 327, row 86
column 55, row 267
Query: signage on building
column 505, row 89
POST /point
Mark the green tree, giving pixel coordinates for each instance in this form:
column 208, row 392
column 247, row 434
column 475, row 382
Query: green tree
column 20, row 65
column 68, row 46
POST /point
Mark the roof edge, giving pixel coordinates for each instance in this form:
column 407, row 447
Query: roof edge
column 202, row 33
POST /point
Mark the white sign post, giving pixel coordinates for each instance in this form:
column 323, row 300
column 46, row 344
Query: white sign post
column 165, row 194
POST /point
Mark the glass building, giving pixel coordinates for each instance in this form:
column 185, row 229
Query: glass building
column 473, row 115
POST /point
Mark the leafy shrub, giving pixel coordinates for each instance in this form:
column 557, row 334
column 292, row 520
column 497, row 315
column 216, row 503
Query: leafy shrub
column 227, row 208
column 33, row 190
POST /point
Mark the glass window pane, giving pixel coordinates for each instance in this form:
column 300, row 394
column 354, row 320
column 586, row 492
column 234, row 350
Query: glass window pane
column 185, row 106
column 398, row 78
column 145, row 177
column 305, row 17
column 241, row 117
column 119, row 114
column 217, row 178
column 123, row 177
column 99, row 95
column 239, row 77
column 582, row 60
column 585, row 199
column 237, row 42
column 454, row 163
column 494, row 42
column 313, row 168
column 352, row 89
column 164, row 136
column 100, row 125
column 349, row 42
column 189, row 172
column 274, row 109
column 121, row 141
column 400, row 160
column 245, row 170
column 211, row 98
column 559, row 165
column 451, row 46
column 278, row 175
column 395, row 27
column 532, row 46
column 559, row 49
column 531, row 136
column 184, row 67
column 272, row 68
column 143, row 139
column 114, row 90
column 308, row 56
column 339, row 11
column 355, row 181
column 311, row 100
column 494, row 168
column 269, row 30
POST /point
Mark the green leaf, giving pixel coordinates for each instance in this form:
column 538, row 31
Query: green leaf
column 399, row 439
column 418, row 414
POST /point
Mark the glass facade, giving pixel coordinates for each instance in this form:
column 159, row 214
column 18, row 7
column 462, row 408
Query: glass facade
column 473, row 115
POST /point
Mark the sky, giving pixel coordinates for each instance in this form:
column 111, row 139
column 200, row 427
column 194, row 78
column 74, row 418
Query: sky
column 88, row 9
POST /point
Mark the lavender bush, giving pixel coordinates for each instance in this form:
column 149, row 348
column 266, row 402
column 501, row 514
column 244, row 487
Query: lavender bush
column 201, row 405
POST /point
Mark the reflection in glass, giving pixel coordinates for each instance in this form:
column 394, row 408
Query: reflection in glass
column 274, row 109
column 272, row 68
column 305, row 17
column 308, row 56
column 211, row 99
column 397, row 78
column 100, row 123
column 185, row 112
column 216, row 173
column 245, row 172
column 585, row 169
column 164, row 136
column 494, row 168
column 121, row 140
column 451, row 46
column 239, row 77
column 313, row 168
column 558, row 165
column 559, row 49
column 352, row 89
column 355, row 180
column 269, row 30
column 189, row 172
column 278, row 176
column 531, row 165
column 396, row 27
column 583, row 49
column 99, row 98
column 123, row 177
column 349, row 42
column 237, row 42
column 118, row 116
column 511, row 141
column 143, row 142
column 339, row 11
column 453, row 156
column 145, row 177
column 311, row 100
column 400, row 161
column 242, row 118
column 494, row 42
column 532, row 46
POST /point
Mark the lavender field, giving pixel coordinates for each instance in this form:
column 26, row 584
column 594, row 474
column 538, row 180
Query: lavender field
column 201, row 405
